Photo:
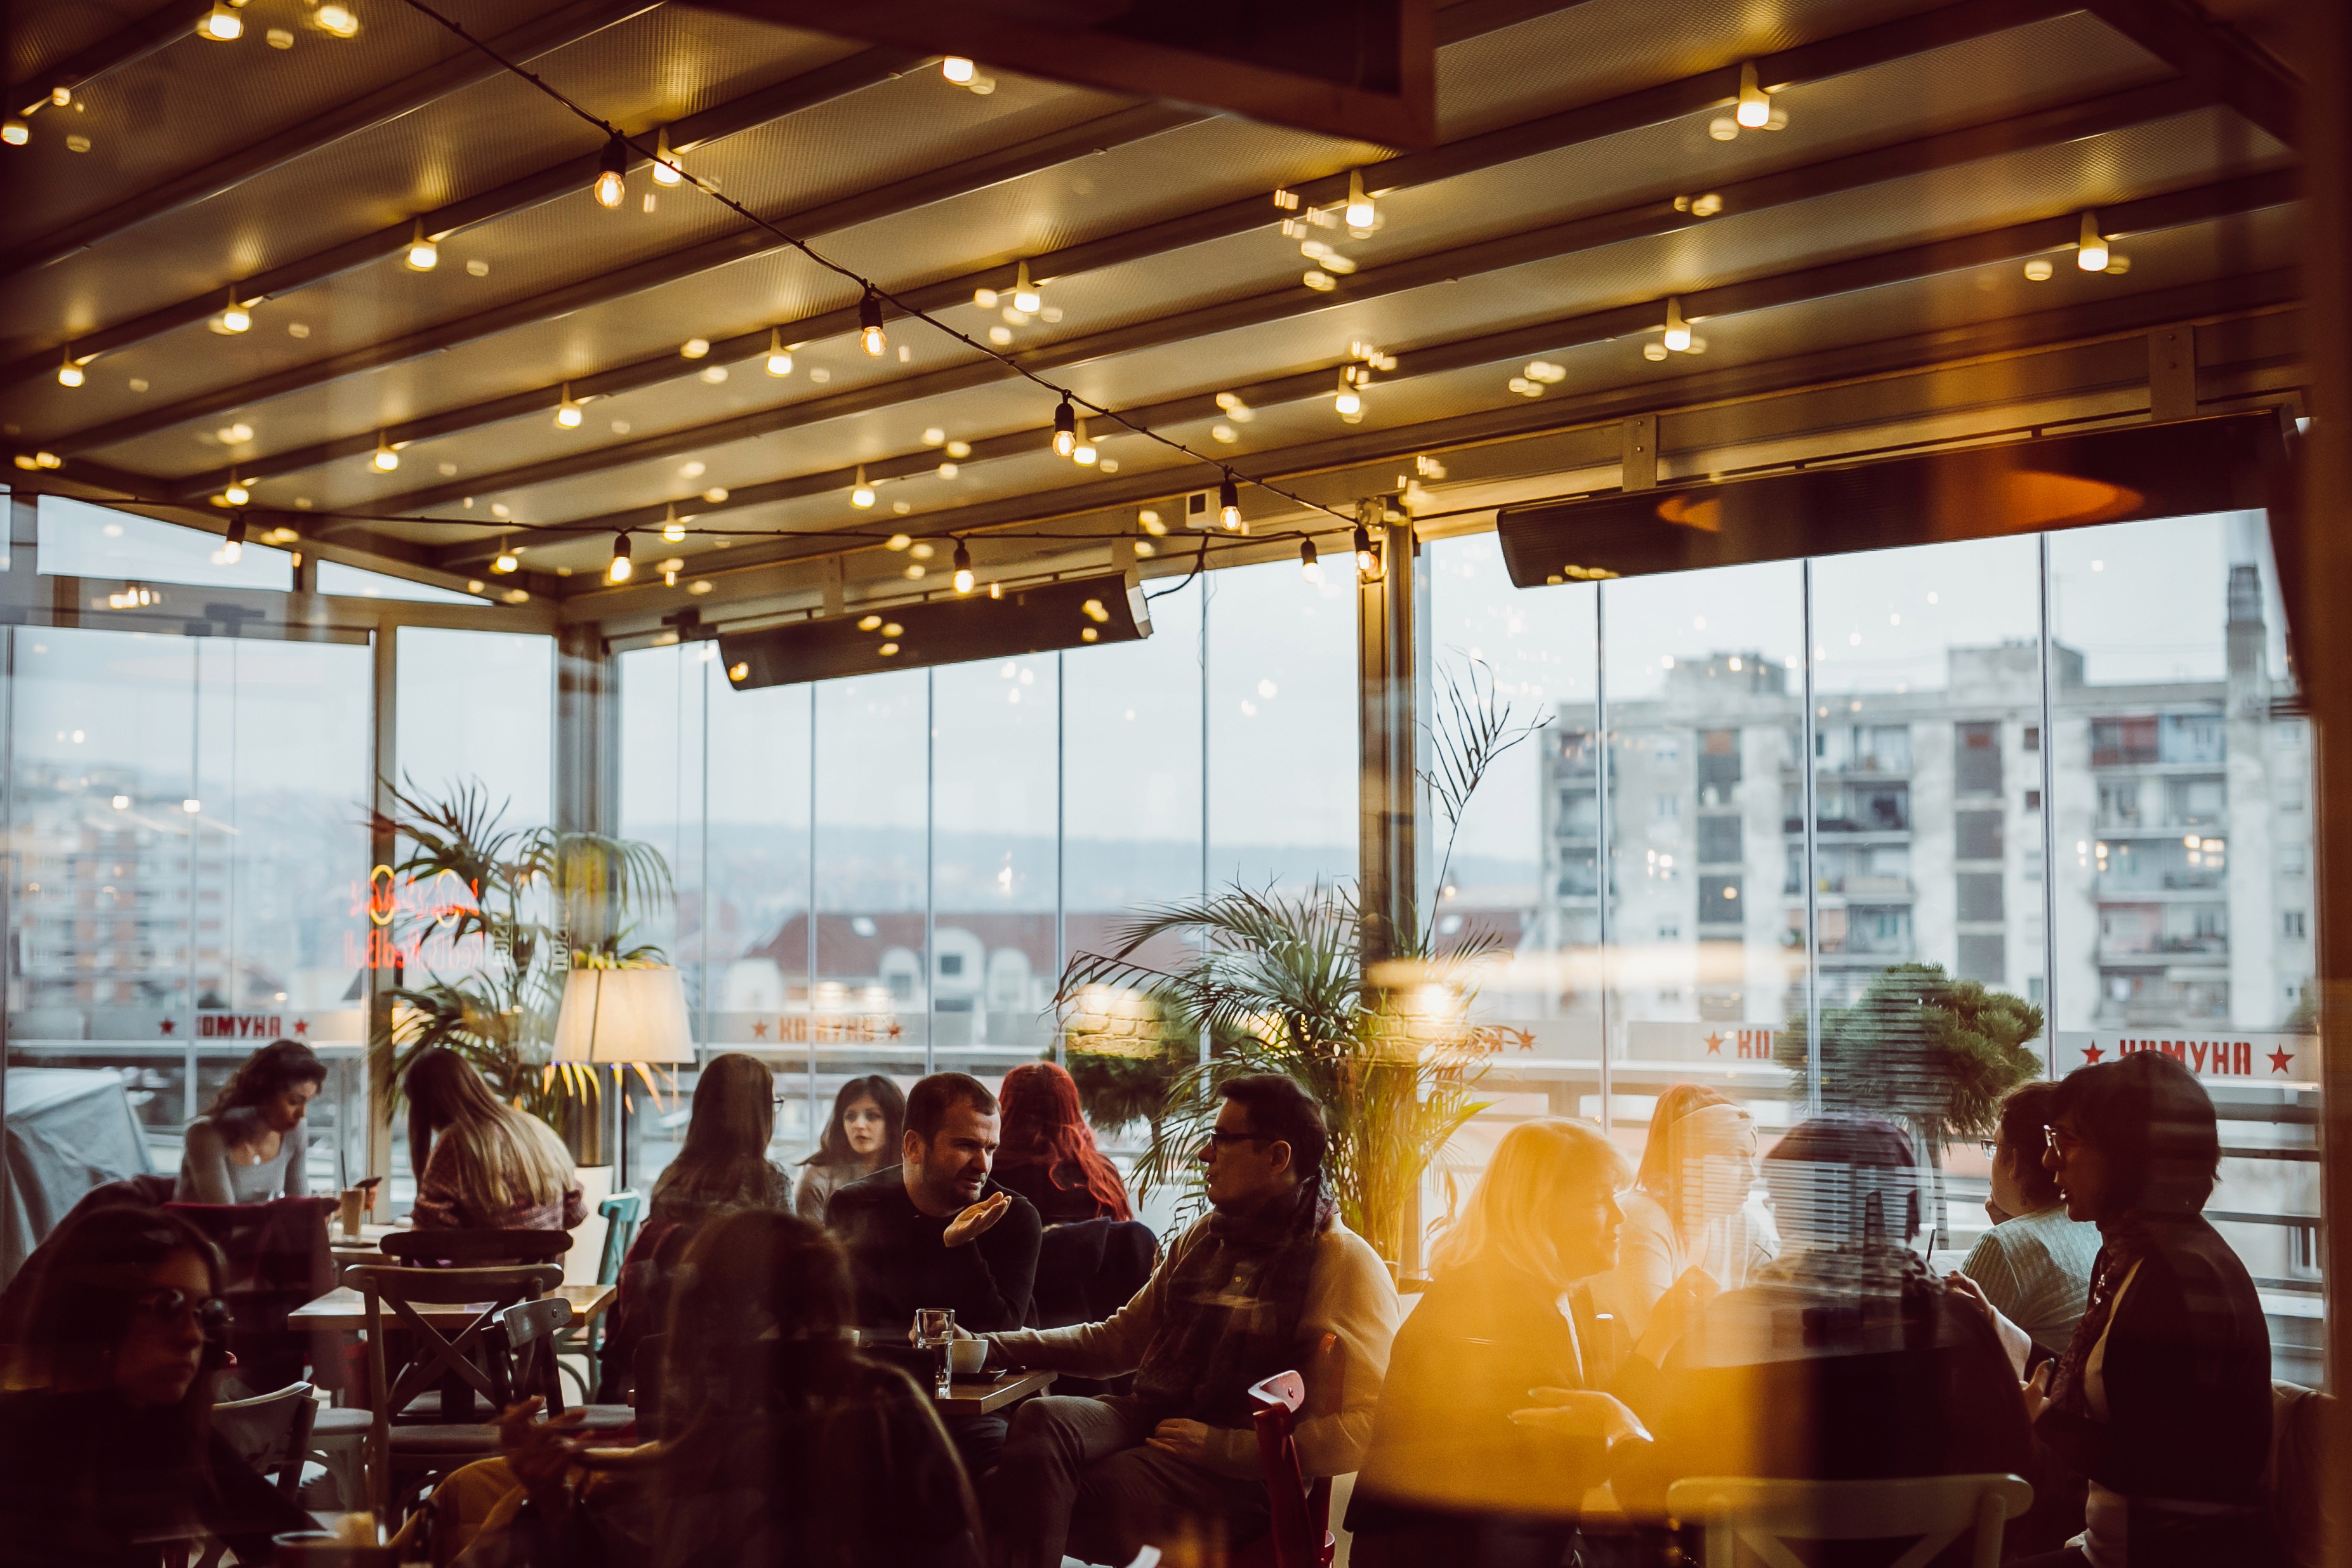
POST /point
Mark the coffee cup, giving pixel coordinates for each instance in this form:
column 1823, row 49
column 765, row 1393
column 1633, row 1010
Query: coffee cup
column 355, row 1207
column 967, row 1356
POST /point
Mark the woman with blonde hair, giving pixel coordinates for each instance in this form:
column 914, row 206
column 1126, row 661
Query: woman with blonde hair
column 1686, row 1208
column 482, row 1164
column 1464, row 1464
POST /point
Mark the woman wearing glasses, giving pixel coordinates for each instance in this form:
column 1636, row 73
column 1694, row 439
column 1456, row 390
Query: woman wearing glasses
column 108, row 1459
column 2034, row 1265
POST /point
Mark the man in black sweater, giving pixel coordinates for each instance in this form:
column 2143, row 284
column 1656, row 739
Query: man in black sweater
column 935, row 1232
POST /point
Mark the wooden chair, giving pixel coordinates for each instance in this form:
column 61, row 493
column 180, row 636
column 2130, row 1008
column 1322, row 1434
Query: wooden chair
column 1299, row 1532
column 531, row 1332
column 424, row 1448
column 477, row 1248
column 1763, row 1515
column 270, row 1432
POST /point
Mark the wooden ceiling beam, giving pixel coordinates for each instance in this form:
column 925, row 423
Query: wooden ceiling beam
column 2233, row 70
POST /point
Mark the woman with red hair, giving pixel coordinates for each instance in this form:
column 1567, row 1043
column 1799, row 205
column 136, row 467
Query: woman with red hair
column 1047, row 1153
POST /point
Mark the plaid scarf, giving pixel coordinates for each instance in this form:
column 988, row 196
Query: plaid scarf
column 2122, row 1243
column 1233, row 1305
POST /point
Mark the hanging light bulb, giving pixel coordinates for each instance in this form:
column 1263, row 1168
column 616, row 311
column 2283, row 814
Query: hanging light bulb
column 620, row 570
column 1084, row 453
column 862, row 493
column 1229, row 503
column 1025, row 297
column 222, row 24
column 234, row 317
column 236, row 495
column 1348, row 403
column 1755, row 109
column 16, row 130
column 1309, row 566
column 1368, row 559
column 68, row 373
column 962, row 567
column 612, row 174
column 232, row 549
column 506, row 560
column 2092, row 254
column 1678, row 333
column 780, row 363
column 385, row 459
column 672, row 529
column 1360, row 213
column 567, row 412
column 424, row 255
column 1066, row 428
column 869, row 324
column 957, row 69
column 664, row 171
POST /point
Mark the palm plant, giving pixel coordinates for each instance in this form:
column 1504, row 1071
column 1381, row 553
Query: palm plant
column 541, row 903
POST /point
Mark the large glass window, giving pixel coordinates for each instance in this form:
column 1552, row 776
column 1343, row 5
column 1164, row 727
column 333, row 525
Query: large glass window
column 478, row 707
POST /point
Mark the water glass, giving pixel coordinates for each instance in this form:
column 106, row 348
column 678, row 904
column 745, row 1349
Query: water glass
column 935, row 1331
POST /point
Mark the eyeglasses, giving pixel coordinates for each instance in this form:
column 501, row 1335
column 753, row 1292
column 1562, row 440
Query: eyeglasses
column 2065, row 1142
column 211, row 1313
column 1219, row 1138
column 1992, row 1147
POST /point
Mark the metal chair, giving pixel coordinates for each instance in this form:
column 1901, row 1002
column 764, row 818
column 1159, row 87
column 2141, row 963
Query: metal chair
column 531, row 1332
column 424, row 1448
column 477, row 1248
column 1299, row 1529
column 620, row 1212
column 1763, row 1514
column 270, row 1432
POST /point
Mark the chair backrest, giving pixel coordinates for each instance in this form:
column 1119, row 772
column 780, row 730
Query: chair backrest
column 2300, row 1498
column 1088, row 1270
column 529, row 1329
column 1299, row 1508
column 270, row 1432
column 620, row 1212
column 477, row 1248
column 1762, row 1514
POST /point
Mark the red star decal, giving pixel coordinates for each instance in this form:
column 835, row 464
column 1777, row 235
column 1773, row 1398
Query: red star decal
column 301, row 1026
column 759, row 1029
column 894, row 1030
column 2281, row 1059
column 2092, row 1053
column 1714, row 1045
column 1526, row 1039
column 169, row 1025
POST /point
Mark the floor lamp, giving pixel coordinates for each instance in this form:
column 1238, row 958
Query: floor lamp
column 618, row 1019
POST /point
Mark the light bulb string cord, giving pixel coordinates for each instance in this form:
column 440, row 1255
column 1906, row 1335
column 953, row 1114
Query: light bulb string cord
column 866, row 283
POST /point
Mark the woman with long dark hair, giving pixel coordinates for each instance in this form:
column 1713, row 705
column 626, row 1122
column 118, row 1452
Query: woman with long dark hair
column 1047, row 1153
column 108, row 1459
column 2162, row 1397
column 724, row 1166
column 869, row 1116
column 481, row 1163
column 250, row 1147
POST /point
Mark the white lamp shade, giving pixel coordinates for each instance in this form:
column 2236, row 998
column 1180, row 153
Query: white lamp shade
column 623, row 1016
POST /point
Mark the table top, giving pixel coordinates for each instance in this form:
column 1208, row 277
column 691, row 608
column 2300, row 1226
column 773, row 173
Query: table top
column 984, row 1396
column 344, row 1308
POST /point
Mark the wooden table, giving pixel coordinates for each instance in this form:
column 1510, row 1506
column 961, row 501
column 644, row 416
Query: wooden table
column 367, row 1246
column 344, row 1308
column 986, row 1395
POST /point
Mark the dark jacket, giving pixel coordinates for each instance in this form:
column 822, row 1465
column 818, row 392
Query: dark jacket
column 1055, row 1205
column 2188, row 1379
column 88, row 1481
column 899, row 1262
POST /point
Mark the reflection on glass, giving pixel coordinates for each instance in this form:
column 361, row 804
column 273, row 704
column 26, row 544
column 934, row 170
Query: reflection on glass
column 1281, row 695
column 479, row 707
column 873, row 876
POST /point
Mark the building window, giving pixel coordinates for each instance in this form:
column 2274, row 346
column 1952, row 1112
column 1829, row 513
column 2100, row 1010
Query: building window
column 2032, row 741
column 1718, row 765
column 2292, row 860
column 1980, row 896
column 1976, row 835
column 1982, row 957
column 1669, row 806
column 2291, row 923
column 1719, row 900
column 1975, row 763
column 1718, row 840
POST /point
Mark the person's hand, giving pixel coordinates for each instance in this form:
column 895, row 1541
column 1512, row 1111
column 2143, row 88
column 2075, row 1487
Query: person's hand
column 977, row 1221
column 1965, row 1288
column 1676, row 1313
column 540, row 1453
column 1185, row 1439
column 1580, row 1413
column 2037, row 1392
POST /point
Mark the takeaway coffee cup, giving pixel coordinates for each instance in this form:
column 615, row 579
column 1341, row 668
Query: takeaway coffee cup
column 967, row 1356
column 354, row 1205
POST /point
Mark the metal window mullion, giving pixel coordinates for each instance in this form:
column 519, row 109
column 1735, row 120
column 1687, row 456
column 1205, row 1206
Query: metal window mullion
column 1206, row 597
column 1603, row 883
column 2049, row 829
column 1807, row 742
column 1061, row 826
column 196, row 843
column 811, row 1130
column 931, row 869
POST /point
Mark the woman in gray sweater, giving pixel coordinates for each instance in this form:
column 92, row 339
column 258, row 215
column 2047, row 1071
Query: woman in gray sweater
column 250, row 1147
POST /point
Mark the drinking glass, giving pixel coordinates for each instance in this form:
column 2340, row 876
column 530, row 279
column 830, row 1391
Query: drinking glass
column 934, row 1330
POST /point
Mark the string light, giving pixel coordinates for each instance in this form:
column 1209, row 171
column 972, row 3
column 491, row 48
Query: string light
column 1368, row 559
column 233, row 543
column 962, row 567
column 780, row 363
column 1309, row 566
column 424, row 255
column 1755, row 109
column 1678, row 332
column 612, row 174
column 2091, row 254
column 234, row 317
column 672, row 529
column 68, row 373
column 1084, row 453
column 620, row 570
column 1348, row 403
column 1229, row 503
column 337, row 21
column 862, row 494
column 567, row 412
column 869, row 323
column 664, row 170
column 236, row 495
column 222, row 24
column 1025, row 297
column 506, row 560
column 385, row 459
column 957, row 69
column 1360, row 213
column 1066, row 428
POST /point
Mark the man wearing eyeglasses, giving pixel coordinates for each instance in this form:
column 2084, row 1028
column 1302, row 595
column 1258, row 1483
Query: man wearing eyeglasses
column 1247, row 1291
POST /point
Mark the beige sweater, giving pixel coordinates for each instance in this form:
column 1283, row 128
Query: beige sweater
column 1348, row 1294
